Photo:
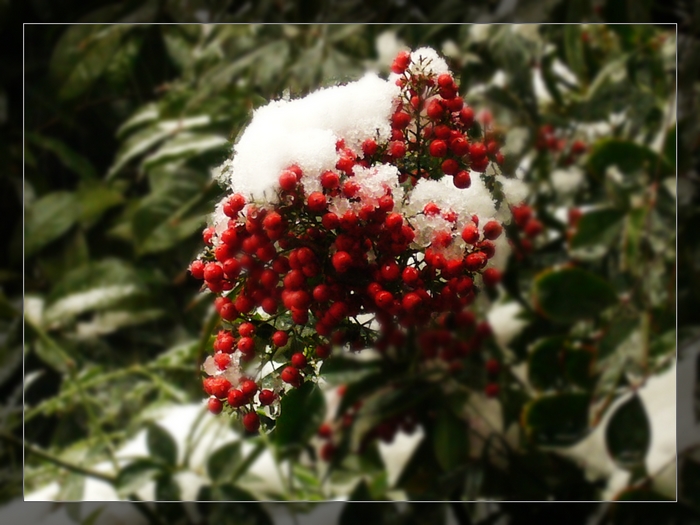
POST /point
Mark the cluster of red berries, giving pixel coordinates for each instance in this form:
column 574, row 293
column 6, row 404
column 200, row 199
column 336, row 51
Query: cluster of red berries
column 549, row 140
column 292, row 277
column 528, row 228
column 434, row 131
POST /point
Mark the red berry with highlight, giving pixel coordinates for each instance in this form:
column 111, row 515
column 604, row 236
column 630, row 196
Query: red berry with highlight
column 298, row 360
column 251, row 422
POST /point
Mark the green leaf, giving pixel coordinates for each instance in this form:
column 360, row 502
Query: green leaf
column 135, row 475
column 340, row 370
column 95, row 199
column 618, row 332
column 49, row 218
column 360, row 389
column 545, row 363
column 384, row 404
column 145, row 114
column 599, row 227
column 167, row 488
column 578, row 366
column 185, row 145
column 68, row 157
column 302, row 411
column 627, row 156
column 96, row 286
column 571, row 294
column 628, row 434
column 83, row 54
column 223, row 462
column 557, row 420
column 451, row 440
column 161, row 445
column 72, row 488
column 573, row 48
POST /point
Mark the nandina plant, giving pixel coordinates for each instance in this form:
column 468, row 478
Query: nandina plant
column 363, row 216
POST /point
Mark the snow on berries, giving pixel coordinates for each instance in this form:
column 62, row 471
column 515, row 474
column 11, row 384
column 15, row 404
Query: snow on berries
column 368, row 198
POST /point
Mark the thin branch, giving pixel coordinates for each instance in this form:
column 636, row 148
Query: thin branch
column 56, row 460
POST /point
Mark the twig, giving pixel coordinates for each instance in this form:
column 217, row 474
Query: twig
column 58, row 461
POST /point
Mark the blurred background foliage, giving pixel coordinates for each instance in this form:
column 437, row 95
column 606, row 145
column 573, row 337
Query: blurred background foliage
column 122, row 124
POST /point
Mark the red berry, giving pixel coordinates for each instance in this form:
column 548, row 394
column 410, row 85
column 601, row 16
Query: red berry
column 455, row 104
column 492, row 390
column 266, row 397
column 288, row 180
column 459, row 146
column 450, row 166
column 493, row 367
column 466, row 115
column 330, row 221
column 327, row 451
column 290, row 375
column 477, row 151
column 246, row 329
column 533, row 228
column 213, row 272
column 475, row 261
column 232, row 268
column 350, row 188
column 216, row 386
column 316, row 202
column 251, row 422
column 435, row 110
column 294, row 280
column 491, row 276
column 410, row 275
column 411, row 301
column 369, row 147
column 299, row 360
column 521, row 214
column 322, row 293
column 280, row 338
column 330, row 180
column 224, row 342
column 229, row 312
column 438, row 148
column 269, row 305
column 470, row 233
column 393, row 221
column 246, row 345
column 431, row 209
column 578, row 147
column 445, row 80
column 236, row 398
column 273, row 221
column 342, row 261
column 492, row 230
column 197, row 269
column 215, row 405
column 222, row 360
column 401, row 62
column 207, row 235
column 575, row 215
column 249, row 388
column 384, row 299
column 462, row 180
column 390, row 271
column 323, row 351
column 325, row 431
column 400, row 119
column 397, row 149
